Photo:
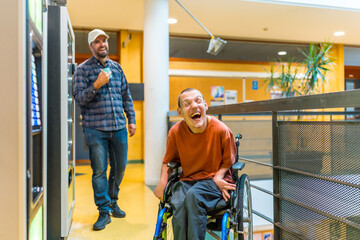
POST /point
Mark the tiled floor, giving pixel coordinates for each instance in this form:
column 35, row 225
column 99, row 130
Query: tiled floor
column 135, row 198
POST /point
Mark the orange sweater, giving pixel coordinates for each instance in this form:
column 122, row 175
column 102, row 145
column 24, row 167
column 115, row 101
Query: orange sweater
column 201, row 155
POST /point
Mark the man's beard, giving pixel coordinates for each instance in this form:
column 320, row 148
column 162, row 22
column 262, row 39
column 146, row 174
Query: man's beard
column 102, row 55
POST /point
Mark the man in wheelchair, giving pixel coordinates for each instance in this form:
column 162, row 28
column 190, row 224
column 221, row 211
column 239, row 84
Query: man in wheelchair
column 205, row 148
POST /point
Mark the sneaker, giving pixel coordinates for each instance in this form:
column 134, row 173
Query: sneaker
column 116, row 211
column 104, row 218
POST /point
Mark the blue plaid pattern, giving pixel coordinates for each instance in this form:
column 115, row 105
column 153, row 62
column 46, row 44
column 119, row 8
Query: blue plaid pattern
column 103, row 109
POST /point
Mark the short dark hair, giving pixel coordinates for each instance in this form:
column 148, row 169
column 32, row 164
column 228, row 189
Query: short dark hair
column 187, row 90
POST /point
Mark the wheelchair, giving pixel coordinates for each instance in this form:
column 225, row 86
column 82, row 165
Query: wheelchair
column 233, row 219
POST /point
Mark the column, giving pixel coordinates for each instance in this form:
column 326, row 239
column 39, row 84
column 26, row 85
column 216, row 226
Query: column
column 12, row 121
column 156, row 86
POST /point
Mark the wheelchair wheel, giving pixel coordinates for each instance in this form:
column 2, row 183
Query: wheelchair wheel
column 228, row 230
column 163, row 229
column 244, row 209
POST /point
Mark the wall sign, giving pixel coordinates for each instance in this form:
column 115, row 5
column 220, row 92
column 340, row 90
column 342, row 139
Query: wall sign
column 255, row 85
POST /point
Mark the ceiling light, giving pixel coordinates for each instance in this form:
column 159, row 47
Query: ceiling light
column 282, row 53
column 337, row 34
column 215, row 44
column 172, row 20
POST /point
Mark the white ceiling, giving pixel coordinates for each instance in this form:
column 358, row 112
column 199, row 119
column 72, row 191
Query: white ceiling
column 229, row 19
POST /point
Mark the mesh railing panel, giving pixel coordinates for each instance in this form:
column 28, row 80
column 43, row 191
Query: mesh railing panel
column 288, row 236
column 329, row 149
column 325, row 149
column 311, row 225
column 326, row 196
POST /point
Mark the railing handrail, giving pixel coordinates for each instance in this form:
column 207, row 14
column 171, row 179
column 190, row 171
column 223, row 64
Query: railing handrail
column 350, row 98
column 342, row 99
column 287, row 113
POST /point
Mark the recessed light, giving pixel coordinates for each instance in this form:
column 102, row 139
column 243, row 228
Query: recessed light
column 172, row 20
column 337, row 34
column 282, row 53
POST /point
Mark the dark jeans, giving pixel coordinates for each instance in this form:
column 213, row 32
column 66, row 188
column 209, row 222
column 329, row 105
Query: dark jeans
column 191, row 201
column 104, row 144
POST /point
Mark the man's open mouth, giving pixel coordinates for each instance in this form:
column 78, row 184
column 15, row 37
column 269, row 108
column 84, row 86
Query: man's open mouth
column 196, row 115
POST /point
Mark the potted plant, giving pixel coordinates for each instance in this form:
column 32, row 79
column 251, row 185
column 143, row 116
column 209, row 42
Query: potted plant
column 284, row 74
column 317, row 62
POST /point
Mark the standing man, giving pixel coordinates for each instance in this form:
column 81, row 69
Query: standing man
column 101, row 90
column 205, row 147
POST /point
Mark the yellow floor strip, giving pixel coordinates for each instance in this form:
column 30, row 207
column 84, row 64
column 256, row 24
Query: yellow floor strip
column 135, row 198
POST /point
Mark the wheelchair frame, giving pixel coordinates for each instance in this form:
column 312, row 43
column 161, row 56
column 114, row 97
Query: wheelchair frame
column 236, row 218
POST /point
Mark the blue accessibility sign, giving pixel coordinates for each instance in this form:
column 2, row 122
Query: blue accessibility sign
column 255, row 85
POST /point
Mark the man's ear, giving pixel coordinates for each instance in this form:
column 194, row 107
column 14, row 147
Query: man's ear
column 179, row 111
column 206, row 106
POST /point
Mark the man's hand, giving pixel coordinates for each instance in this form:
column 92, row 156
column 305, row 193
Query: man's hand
column 102, row 79
column 132, row 129
column 159, row 191
column 160, row 188
column 224, row 186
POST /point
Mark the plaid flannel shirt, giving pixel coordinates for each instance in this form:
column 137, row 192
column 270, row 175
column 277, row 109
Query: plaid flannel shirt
column 103, row 109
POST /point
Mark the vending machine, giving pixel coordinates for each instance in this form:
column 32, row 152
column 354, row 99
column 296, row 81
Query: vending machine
column 36, row 120
column 61, row 112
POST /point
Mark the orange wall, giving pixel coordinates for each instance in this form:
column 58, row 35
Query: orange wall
column 131, row 56
column 131, row 60
column 136, row 142
column 203, row 84
column 177, row 84
column 335, row 79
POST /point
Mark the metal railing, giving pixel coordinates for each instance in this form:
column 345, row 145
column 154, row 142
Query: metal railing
column 315, row 164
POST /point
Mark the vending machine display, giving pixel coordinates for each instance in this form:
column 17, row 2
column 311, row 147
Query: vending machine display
column 35, row 102
column 36, row 99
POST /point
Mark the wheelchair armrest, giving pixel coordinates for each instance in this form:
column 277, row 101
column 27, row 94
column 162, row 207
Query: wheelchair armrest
column 174, row 177
column 174, row 165
column 238, row 166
